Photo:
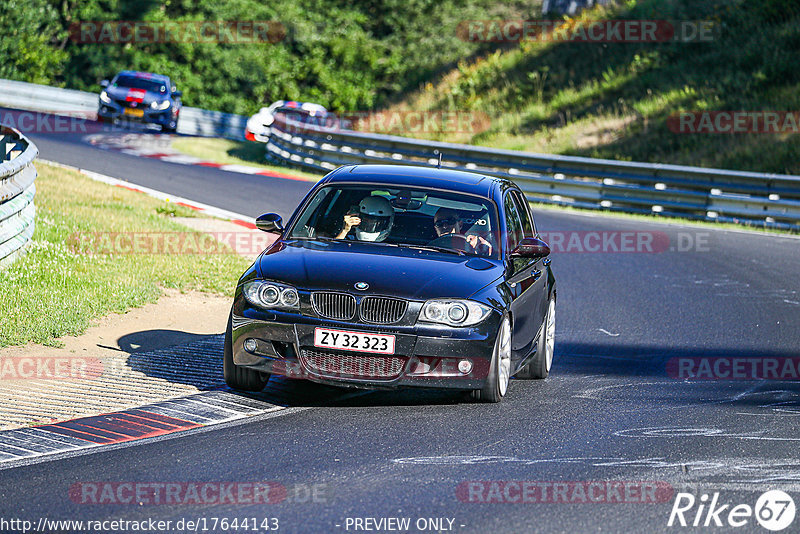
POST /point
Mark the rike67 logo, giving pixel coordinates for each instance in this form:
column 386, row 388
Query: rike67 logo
column 774, row 510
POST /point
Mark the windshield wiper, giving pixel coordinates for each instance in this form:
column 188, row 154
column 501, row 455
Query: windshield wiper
column 435, row 248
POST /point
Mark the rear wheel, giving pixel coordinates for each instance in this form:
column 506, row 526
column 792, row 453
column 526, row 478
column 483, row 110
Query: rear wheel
column 237, row 377
column 500, row 368
column 539, row 365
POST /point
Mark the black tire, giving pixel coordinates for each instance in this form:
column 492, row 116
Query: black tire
column 240, row 378
column 492, row 391
column 539, row 366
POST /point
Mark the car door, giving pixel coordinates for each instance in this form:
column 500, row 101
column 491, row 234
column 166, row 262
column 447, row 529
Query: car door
column 527, row 281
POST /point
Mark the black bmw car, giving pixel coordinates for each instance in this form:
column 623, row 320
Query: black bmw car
column 141, row 97
column 397, row 276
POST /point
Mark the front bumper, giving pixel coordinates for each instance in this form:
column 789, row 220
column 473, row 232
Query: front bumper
column 426, row 356
column 113, row 111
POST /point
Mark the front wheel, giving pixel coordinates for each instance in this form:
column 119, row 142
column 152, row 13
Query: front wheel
column 240, row 378
column 539, row 365
column 500, row 368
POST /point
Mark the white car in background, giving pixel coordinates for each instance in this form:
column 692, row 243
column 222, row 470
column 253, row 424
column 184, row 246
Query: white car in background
column 258, row 126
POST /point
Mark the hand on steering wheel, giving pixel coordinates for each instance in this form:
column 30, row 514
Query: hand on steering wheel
column 454, row 241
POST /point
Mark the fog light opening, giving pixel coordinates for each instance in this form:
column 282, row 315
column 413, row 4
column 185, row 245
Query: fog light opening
column 464, row 367
column 250, row 345
column 420, row 367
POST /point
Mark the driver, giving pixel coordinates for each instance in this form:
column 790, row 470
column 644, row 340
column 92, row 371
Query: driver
column 447, row 221
column 372, row 222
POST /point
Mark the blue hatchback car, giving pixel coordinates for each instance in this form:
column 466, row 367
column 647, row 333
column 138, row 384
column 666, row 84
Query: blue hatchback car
column 142, row 97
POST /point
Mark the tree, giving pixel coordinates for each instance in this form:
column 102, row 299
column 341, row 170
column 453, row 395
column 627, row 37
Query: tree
column 29, row 35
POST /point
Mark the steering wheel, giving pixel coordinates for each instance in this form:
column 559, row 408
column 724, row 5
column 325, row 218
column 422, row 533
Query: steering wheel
column 454, row 241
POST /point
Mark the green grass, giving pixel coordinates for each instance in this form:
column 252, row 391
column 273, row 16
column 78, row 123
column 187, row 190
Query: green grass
column 230, row 152
column 52, row 291
column 613, row 100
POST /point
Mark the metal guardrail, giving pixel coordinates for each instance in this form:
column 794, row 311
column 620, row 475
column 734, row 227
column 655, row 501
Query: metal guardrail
column 46, row 99
column 770, row 200
column 17, row 189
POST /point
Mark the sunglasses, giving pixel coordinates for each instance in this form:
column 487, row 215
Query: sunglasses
column 445, row 223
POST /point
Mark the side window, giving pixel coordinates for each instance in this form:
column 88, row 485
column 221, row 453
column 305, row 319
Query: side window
column 528, row 227
column 513, row 223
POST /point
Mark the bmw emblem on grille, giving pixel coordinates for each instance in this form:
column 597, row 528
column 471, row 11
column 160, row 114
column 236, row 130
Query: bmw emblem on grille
column 361, row 286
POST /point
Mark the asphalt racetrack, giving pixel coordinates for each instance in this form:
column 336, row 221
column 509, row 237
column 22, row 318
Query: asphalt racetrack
column 604, row 445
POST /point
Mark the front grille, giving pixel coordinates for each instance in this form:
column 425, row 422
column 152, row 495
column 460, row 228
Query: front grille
column 382, row 310
column 340, row 365
column 339, row 306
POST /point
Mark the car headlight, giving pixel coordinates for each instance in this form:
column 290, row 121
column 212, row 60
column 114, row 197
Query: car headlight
column 454, row 312
column 271, row 295
column 104, row 97
column 159, row 105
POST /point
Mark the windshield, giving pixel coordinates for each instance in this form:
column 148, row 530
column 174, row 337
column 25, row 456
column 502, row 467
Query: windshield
column 140, row 83
column 443, row 221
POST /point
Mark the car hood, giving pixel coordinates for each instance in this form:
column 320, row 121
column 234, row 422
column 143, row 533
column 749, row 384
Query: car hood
column 140, row 96
column 402, row 272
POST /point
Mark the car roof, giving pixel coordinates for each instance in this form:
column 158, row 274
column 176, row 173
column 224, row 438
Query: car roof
column 414, row 176
column 144, row 75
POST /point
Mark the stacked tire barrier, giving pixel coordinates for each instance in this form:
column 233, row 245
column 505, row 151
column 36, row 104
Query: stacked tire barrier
column 769, row 200
column 17, row 189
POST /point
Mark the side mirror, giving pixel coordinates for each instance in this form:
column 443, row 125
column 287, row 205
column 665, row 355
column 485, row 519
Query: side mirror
column 270, row 222
column 177, row 94
column 530, row 247
column 104, row 84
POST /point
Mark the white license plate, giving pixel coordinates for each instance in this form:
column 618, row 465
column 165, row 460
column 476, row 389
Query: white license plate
column 355, row 341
